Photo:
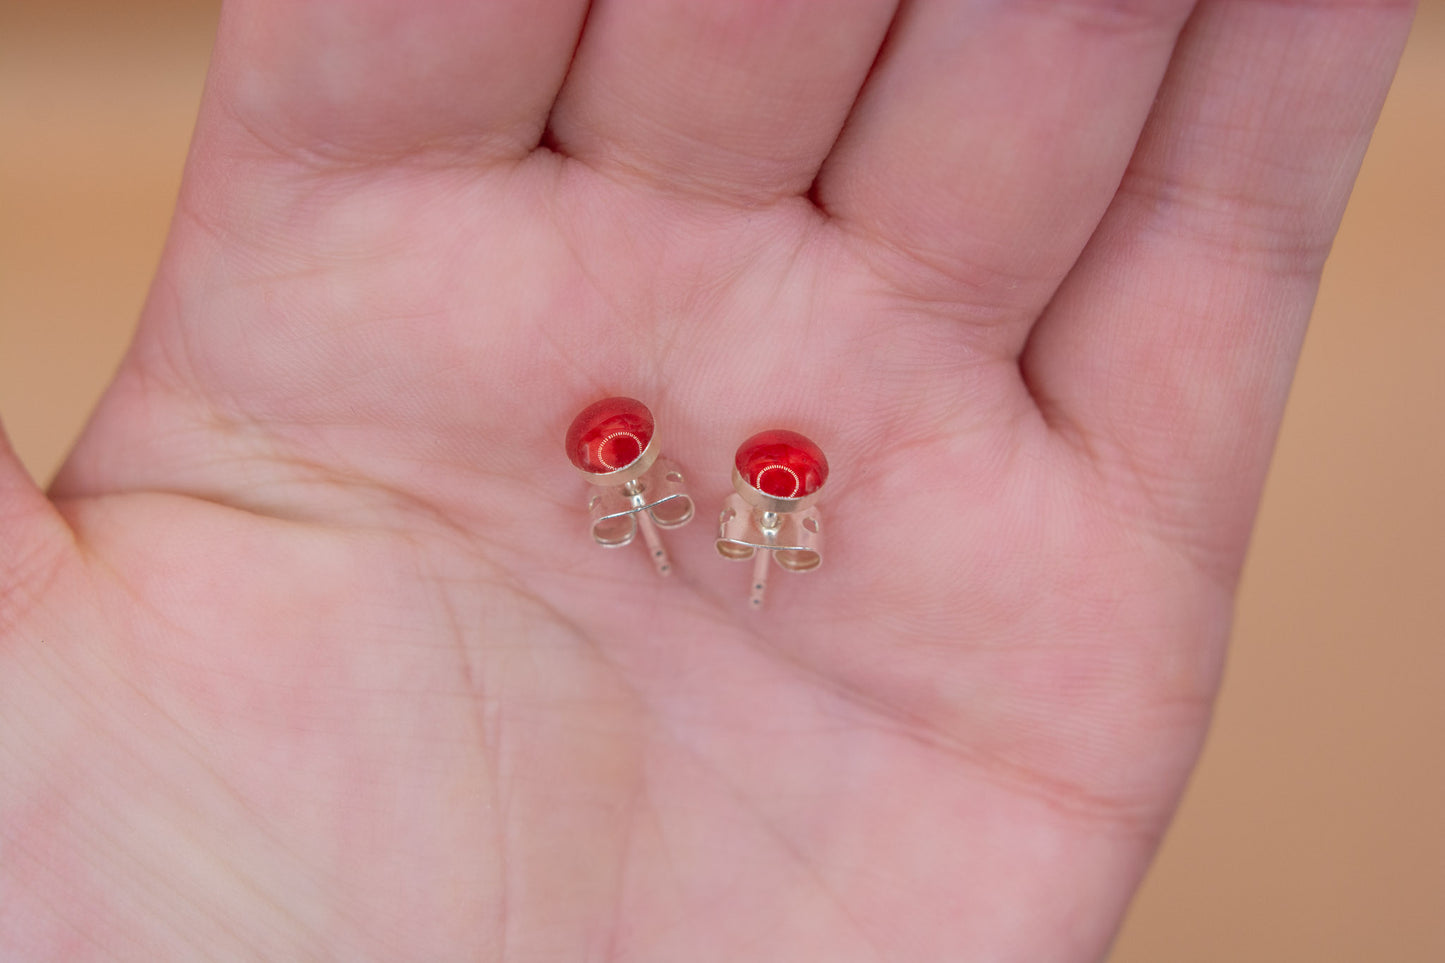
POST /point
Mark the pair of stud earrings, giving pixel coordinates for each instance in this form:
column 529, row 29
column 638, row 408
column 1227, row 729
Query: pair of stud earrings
column 777, row 476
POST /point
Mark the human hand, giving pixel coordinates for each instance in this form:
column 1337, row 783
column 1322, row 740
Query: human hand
column 310, row 657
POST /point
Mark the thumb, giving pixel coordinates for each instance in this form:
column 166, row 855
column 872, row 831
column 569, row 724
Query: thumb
column 32, row 535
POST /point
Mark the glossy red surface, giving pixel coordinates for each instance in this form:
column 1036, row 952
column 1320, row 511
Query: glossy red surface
column 609, row 435
column 782, row 463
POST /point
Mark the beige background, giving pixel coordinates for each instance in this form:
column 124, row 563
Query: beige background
column 1313, row 828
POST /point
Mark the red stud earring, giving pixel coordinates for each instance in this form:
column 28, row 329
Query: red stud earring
column 613, row 443
column 777, row 476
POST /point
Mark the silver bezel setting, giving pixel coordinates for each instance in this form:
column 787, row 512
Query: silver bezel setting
column 638, row 467
column 762, row 501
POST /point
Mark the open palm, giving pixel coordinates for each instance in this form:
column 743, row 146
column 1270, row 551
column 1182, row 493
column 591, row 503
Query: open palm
column 308, row 654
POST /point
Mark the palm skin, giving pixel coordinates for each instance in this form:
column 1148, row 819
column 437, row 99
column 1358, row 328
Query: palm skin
column 312, row 657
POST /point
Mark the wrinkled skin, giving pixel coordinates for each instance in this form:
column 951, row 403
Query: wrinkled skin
column 306, row 654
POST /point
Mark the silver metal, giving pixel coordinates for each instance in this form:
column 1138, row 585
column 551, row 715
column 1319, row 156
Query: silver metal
column 654, row 498
column 793, row 539
column 771, row 503
column 637, row 468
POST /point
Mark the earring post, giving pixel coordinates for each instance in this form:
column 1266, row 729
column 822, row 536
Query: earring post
column 655, row 548
column 760, row 578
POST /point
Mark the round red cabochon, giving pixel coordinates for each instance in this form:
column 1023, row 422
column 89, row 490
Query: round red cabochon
column 609, row 435
column 783, row 464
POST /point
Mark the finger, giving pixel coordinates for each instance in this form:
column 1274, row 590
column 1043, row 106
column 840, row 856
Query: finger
column 989, row 139
column 739, row 99
column 1170, row 348
column 353, row 80
column 31, row 535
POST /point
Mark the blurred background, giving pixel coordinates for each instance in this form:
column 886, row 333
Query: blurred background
column 1314, row 829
